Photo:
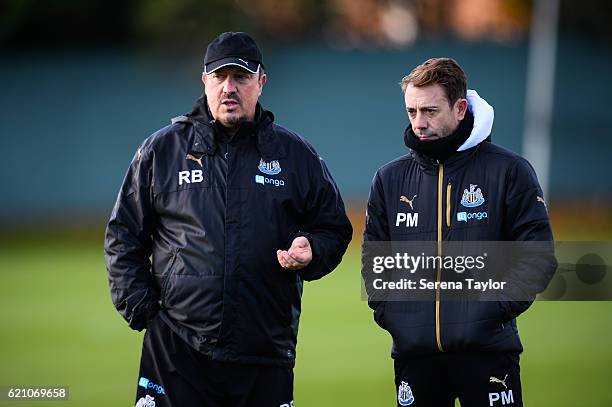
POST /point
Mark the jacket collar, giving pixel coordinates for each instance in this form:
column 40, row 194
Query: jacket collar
column 457, row 160
column 268, row 141
column 484, row 115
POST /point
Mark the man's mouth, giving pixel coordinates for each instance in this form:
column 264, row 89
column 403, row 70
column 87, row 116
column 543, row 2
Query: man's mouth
column 230, row 103
column 425, row 137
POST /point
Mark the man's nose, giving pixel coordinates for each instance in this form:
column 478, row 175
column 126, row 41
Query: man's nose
column 229, row 86
column 419, row 121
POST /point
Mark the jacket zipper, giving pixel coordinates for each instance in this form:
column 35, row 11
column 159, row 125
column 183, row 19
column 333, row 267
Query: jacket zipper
column 167, row 278
column 448, row 203
column 439, row 271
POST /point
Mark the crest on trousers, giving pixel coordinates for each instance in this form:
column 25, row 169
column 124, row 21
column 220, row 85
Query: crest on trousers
column 473, row 197
column 404, row 394
column 269, row 168
column 146, row 401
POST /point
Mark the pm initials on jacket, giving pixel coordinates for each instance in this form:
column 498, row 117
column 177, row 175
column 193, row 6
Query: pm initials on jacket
column 411, row 219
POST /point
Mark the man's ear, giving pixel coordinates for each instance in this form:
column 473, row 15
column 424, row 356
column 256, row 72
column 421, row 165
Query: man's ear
column 262, row 82
column 204, row 78
column 461, row 106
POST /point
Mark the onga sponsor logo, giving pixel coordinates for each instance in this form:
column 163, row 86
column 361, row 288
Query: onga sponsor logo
column 465, row 216
column 260, row 179
column 148, row 384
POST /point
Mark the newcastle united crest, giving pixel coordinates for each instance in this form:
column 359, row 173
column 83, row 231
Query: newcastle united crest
column 404, row 395
column 269, row 168
column 473, row 197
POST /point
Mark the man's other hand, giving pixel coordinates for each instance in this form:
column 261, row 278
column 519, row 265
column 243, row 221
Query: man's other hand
column 298, row 256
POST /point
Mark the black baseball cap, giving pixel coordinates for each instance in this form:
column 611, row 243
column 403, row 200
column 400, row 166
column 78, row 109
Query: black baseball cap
column 233, row 48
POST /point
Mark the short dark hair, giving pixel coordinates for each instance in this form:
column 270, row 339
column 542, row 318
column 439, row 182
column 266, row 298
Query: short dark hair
column 445, row 72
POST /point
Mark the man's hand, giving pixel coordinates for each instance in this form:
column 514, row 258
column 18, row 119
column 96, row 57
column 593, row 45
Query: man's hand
column 298, row 256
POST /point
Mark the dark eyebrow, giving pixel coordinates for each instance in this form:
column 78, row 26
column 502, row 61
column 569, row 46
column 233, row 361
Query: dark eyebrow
column 423, row 108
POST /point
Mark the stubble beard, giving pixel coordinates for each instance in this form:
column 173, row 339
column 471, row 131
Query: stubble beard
column 233, row 120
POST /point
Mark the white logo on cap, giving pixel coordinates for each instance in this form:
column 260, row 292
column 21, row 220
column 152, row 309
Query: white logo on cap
column 245, row 62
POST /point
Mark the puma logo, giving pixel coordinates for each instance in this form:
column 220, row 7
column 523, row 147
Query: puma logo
column 496, row 380
column 540, row 199
column 193, row 158
column 245, row 62
column 408, row 201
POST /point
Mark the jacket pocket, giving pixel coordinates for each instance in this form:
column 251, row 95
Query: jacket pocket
column 512, row 309
column 411, row 325
column 485, row 324
column 172, row 266
column 264, row 317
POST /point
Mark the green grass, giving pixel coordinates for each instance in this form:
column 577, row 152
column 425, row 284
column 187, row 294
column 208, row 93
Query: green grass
column 58, row 327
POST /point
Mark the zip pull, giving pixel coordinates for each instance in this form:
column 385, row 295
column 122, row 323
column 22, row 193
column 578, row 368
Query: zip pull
column 440, row 215
column 449, row 188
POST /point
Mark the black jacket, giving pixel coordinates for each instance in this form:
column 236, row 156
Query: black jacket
column 516, row 212
column 210, row 215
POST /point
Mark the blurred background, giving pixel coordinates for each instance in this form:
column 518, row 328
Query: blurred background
column 83, row 83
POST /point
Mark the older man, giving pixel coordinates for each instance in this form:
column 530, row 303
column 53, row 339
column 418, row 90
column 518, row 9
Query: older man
column 234, row 212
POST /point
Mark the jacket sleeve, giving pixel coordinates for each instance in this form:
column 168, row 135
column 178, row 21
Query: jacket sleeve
column 325, row 224
column 376, row 230
column 526, row 220
column 128, row 245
